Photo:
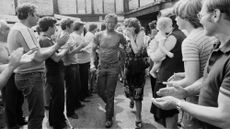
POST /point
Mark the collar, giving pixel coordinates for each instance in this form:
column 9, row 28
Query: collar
column 44, row 35
column 196, row 30
column 225, row 48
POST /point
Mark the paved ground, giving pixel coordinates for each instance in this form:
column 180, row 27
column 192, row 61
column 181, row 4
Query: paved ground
column 92, row 116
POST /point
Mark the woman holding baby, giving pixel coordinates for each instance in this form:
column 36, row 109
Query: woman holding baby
column 171, row 63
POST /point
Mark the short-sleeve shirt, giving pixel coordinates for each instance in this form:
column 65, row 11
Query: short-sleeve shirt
column 82, row 57
column 15, row 40
column 89, row 38
column 197, row 47
column 109, row 46
column 216, row 78
column 69, row 59
column 52, row 67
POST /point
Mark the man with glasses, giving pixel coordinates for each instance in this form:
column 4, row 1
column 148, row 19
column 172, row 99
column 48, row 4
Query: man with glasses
column 214, row 99
column 107, row 42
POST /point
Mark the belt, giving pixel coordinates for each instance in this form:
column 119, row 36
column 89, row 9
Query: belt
column 110, row 65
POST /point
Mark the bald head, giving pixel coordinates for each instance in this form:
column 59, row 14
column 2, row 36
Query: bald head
column 4, row 30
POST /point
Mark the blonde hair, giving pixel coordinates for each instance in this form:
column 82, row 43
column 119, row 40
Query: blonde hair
column 188, row 9
column 163, row 23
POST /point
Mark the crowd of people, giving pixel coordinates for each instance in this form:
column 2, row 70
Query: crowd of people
column 187, row 54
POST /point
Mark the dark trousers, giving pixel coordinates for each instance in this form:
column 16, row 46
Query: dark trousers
column 56, row 110
column 72, row 88
column 84, row 78
column 78, row 86
column 153, row 82
column 107, row 81
column 32, row 86
column 152, row 79
column 13, row 100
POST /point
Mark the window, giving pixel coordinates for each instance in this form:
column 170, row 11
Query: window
column 133, row 4
column 81, row 6
column 67, row 6
column 109, row 6
column 98, row 8
column 119, row 6
column 44, row 7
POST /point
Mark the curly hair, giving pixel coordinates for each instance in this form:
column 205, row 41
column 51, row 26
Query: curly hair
column 152, row 25
column 66, row 23
column 24, row 10
column 134, row 22
column 111, row 16
column 46, row 22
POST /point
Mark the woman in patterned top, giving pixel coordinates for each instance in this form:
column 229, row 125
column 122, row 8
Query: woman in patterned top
column 135, row 65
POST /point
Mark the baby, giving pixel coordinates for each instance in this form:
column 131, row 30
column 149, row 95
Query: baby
column 164, row 27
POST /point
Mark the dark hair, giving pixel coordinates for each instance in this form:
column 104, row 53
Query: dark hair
column 24, row 10
column 92, row 27
column 134, row 22
column 66, row 23
column 46, row 22
column 152, row 25
column 222, row 5
column 77, row 25
column 103, row 26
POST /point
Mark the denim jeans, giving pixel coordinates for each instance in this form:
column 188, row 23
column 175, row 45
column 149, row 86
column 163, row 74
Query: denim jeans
column 13, row 100
column 32, row 84
column 107, row 81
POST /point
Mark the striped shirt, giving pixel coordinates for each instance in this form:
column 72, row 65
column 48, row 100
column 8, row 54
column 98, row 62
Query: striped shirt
column 197, row 47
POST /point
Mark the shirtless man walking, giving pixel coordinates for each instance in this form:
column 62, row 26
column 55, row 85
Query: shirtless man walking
column 107, row 42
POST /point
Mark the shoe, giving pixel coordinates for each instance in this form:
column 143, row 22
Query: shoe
column 22, row 122
column 73, row 116
column 108, row 123
column 47, row 107
column 131, row 104
column 80, row 106
column 138, row 124
column 85, row 100
column 89, row 95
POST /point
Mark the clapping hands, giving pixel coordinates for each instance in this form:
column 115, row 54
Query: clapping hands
column 18, row 58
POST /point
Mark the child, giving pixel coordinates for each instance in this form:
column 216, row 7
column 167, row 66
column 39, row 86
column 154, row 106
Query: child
column 164, row 26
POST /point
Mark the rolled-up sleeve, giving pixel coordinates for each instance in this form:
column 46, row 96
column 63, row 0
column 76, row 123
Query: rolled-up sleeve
column 225, row 85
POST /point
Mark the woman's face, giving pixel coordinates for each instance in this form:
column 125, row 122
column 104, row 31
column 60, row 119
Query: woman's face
column 130, row 29
column 180, row 23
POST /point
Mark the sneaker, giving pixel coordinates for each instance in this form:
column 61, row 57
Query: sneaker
column 108, row 123
column 73, row 116
column 22, row 121
column 80, row 106
column 131, row 104
column 138, row 124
